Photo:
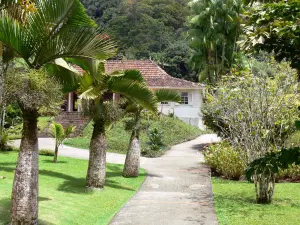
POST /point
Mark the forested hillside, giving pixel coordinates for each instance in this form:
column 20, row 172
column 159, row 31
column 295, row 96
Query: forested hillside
column 148, row 29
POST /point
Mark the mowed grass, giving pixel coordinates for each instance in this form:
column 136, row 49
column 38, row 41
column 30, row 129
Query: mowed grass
column 62, row 198
column 174, row 131
column 235, row 204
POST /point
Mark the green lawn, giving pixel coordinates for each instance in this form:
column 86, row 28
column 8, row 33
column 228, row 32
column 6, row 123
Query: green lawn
column 235, row 205
column 63, row 199
column 174, row 132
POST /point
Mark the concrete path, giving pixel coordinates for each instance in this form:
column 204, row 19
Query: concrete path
column 49, row 143
column 177, row 190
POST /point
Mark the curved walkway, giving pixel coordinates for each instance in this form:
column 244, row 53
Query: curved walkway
column 49, row 143
column 177, row 190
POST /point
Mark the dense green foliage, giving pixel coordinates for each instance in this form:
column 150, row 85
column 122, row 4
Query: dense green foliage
column 237, row 108
column 234, row 204
column 225, row 160
column 174, row 130
column 214, row 32
column 271, row 163
column 275, row 28
column 63, row 199
column 147, row 29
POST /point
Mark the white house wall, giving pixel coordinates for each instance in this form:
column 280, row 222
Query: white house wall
column 190, row 113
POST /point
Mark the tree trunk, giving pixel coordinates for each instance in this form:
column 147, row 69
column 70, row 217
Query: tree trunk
column 55, row 153
column 264, row 186
column 24, row 209
column 97, row 162
column 132, row 162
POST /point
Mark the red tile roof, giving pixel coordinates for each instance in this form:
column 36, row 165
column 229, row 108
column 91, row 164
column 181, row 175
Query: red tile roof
column 155, row 76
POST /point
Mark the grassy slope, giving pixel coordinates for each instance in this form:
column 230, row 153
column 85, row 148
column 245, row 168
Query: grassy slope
column 16, row 131
column 175, row 131
column 62, row 196
column 234, row 202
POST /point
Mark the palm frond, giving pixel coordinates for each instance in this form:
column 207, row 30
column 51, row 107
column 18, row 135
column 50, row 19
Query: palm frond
column 134, row 75
column 58, row 29
column 69, row 130
column 165, row 95
column 68, row 78
column 15, row 36
column 135, row 91
column 56, row 130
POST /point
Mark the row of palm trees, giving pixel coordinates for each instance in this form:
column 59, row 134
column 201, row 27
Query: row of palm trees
column 132, row 86
column 45, row 35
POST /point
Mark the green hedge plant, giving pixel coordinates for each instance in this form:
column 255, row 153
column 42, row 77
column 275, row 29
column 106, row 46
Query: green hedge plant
column 225, row 160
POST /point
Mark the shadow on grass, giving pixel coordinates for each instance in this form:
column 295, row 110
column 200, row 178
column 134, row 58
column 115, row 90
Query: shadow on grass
column 51, row 161
column 5, row 205
column 73, row 184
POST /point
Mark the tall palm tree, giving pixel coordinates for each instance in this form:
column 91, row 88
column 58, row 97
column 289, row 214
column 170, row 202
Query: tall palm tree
column 214, row 31
column 94, row 84
column 56, row 29
column 132, row 162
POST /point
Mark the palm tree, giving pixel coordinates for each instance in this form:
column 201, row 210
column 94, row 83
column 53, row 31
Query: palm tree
column 132, row 162
column 94, row 84
column 55, row 30
column 60, row 133
column 214, row 31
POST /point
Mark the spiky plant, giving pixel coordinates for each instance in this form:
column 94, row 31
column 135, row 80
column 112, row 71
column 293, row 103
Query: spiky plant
column 60, row 134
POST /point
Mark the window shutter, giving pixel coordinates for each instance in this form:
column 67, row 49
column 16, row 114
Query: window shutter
column 190, row 99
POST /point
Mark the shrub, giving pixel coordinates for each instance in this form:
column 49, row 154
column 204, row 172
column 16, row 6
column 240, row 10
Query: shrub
column 155, row 138
column 291, row 174
column 3, row 140
column 46, row 152
column 225, row 160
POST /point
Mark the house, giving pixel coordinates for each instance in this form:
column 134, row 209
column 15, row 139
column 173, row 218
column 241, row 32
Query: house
column 191, row 93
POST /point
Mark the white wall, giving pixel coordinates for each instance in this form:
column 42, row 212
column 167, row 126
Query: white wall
column 191, row 113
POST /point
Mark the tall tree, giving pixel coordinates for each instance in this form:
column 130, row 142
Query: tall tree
column 214, row 31
column 94, row 84
column 55, row 29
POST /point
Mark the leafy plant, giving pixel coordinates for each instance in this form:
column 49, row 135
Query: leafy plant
column 225, row 160
column 155, row 138
column 264, row 169
column 60, row 133
column 3, row 140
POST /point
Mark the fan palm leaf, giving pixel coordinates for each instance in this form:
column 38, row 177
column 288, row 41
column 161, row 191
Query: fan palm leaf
column 56, row 30
column 165, row 95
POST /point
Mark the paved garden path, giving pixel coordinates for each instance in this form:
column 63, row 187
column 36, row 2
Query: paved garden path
column 177, row 190
column 49, row 143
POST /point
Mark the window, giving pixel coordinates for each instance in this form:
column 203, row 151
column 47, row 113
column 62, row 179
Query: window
column 164, row 103
column 184, row 98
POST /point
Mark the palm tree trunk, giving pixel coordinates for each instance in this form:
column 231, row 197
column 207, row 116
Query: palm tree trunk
column 264, row 187
column 97, row 161
column 132, row 162
column 24, row 209
column 55, row 153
